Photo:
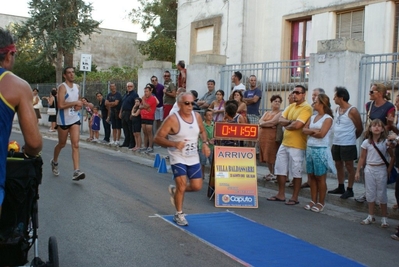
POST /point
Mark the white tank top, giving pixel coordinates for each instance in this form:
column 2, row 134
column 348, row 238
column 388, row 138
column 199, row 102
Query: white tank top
column 188, row 132
column 344, row 129
column 319, row 142
column 69, row 116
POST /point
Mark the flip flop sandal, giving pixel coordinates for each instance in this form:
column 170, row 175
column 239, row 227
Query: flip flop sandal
column 291, row 202
column 275, row 199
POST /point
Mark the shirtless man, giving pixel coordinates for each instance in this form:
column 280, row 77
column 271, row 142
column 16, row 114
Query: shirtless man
column 15, row 96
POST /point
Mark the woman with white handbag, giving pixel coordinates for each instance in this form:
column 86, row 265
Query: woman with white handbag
column 37, row 103
column 52, row 109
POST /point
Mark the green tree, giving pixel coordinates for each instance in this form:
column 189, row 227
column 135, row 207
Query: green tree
column 55, row 29
column 29, row 64
column 160, row 18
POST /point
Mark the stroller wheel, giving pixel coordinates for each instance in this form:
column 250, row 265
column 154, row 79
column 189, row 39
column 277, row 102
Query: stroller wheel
column 53, row 252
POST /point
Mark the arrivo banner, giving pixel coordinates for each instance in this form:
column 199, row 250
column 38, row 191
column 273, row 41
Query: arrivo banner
column 235, row 177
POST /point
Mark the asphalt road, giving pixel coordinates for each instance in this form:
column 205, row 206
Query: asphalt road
column 109, row 219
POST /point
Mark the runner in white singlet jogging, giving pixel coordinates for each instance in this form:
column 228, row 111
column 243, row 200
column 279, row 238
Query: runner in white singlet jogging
column 68, row 121
column 179, row 133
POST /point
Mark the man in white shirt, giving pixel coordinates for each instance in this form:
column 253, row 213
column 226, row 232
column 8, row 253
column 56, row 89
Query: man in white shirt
column 236, row 79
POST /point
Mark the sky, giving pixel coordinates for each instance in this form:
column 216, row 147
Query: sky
column 112, row 13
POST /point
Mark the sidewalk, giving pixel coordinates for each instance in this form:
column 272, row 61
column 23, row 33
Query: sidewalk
column 358, row 187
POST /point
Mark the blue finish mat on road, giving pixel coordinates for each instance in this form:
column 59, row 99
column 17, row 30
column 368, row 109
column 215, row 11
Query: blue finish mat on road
column 254, row 244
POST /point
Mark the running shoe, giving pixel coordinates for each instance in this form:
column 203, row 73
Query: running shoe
column 78, row 175
column 180, row 219
column 54, row 168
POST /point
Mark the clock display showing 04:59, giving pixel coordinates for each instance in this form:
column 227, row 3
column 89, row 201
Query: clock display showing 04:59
column 236, row 131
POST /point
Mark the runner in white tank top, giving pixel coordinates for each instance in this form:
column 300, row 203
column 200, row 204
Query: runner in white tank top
column 188, row 133
column 68, row 120
column 69, row 116
column 179, row 133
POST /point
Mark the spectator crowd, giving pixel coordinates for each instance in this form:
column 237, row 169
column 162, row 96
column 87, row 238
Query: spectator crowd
column 300, row 138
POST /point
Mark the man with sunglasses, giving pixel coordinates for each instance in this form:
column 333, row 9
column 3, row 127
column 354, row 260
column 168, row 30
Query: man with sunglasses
column 292, row 150
column 347, row 129
column 169, row 91
column 179, row 133
column 15, row 96
column 127, row 104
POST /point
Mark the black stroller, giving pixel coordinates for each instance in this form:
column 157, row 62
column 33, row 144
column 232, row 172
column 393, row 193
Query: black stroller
column 19, row 217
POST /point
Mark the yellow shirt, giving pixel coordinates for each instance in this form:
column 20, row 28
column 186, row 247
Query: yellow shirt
column 294, row 112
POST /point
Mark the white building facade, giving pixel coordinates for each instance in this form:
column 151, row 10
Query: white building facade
column 328, row 40
column 247, row 31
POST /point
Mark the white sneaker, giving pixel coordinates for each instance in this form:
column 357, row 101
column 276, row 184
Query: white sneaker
column 180, row 219
column 94, row 140
column 114, row 143
column 369, row 220
column 361, row 199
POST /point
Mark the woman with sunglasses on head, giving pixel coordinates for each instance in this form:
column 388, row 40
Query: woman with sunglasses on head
column 217, row 106
column 378, row 108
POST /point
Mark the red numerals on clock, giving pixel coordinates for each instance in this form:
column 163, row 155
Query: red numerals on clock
column 238, row 131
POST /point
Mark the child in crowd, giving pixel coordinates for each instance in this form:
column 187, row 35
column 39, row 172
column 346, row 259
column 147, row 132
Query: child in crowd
column 136, row 123
column 95, row 124
column 375, row 170
column 209, row 126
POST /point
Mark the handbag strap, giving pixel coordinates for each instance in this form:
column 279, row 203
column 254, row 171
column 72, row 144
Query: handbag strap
column 379, row 153
column 369, row 110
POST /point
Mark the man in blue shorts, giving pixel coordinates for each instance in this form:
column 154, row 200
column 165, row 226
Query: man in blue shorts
column 179, row 133
column 15, row 96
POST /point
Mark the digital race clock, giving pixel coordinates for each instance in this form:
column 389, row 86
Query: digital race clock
column 235, row 131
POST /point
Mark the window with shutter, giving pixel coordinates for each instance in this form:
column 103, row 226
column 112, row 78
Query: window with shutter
column 300, row 46
column 350, row 24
